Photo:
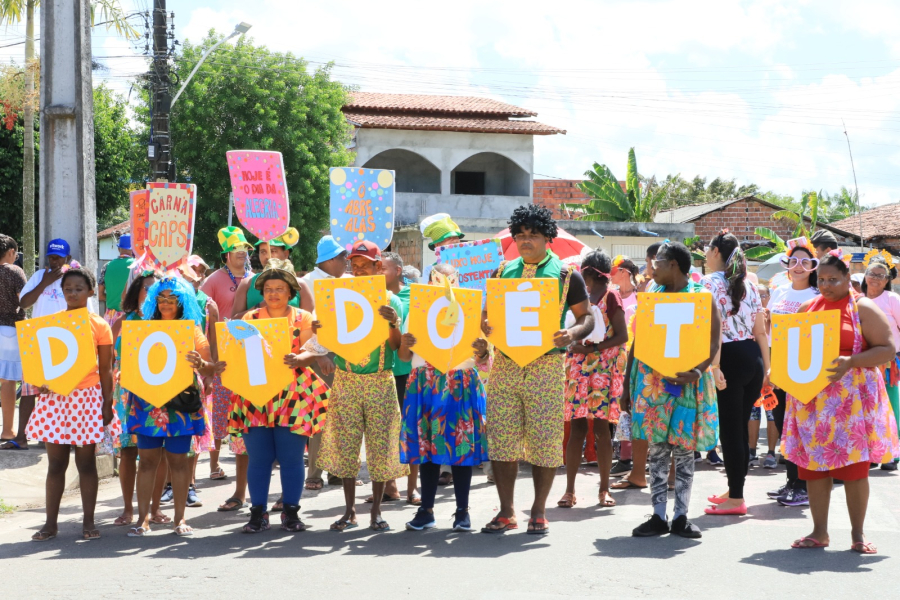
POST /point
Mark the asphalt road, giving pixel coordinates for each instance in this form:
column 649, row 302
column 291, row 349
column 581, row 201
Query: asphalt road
column 589, row 552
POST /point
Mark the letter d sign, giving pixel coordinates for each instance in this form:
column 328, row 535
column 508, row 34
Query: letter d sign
column 57, row 350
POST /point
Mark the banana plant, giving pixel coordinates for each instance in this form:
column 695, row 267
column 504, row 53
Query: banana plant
column 609, row 202
column 764, row 253
column 809, row 200
column 690, row 242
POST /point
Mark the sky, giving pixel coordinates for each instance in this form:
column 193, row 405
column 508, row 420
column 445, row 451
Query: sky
column 757, row 91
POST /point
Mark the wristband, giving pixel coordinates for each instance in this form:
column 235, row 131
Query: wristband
column 699, row 372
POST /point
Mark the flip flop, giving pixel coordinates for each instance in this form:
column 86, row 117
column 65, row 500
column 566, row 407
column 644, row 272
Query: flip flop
column 343, row 525
column 314, row 485
column 608, row 503
column 137, row 532
column 626, row 484
column 12, row 445
column 379, row 525
column 567, row 501
column 238, row 505
column 384, row 498
column 799, row 544
column 415, row 499
column 505, row 525
column 184, row 530
column 90, row 534
column 864, row 548
column 218, row 474
column 121, row 520
column 160, row 520
column 534, row 531
column 42, row 536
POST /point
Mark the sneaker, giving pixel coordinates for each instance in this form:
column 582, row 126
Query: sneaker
column 754, row 459
column 259, row 520
column 713, row 458
column 770, row 462
column 889, row 466
column 620, row 468
column 775, row 494
column 794, row 498
column 167, row 494
column 653, row 526
column 681, row 526
column 422, row 520
column 697, row 457
column 461, row 521
column 290, row 519
column 192, row 499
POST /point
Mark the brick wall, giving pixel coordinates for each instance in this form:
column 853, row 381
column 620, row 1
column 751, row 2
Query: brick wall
column 741, row 219
column 551, row 193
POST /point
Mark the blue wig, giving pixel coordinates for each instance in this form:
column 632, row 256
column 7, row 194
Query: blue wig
column 182, row 290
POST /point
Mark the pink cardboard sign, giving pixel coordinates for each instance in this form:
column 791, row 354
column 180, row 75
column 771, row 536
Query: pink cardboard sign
column 260, row 191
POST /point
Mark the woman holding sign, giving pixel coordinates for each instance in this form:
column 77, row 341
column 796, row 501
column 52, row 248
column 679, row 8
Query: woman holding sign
column 676, row 415
column 171, row 427
column 849, row 424
column 742, row 370
column 280, row 429
column 76, row 422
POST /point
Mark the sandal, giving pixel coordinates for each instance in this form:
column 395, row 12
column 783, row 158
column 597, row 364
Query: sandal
column 445, row 479
column 238, row 505
column 278, row 506
column 504, row 525
column 90, row 534
column 626, row 484
column 43, row 536
column 343, row 525
column 864, row 547
column 137, row 532
column 184, row 530
column 533, row 530
column 801, row 543
column 608, row 502
column 314, row 485
column 160, row 520
column 123, row 520
column 567, row 501
column 12, row 445
column 415, row 499
column 218, row 474
column 379, row 525
column 384, row 498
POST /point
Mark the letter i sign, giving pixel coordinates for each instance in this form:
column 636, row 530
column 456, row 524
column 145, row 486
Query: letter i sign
column 672, row 331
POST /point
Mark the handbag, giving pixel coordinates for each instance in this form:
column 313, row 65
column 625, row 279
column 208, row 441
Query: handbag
column 187, row 401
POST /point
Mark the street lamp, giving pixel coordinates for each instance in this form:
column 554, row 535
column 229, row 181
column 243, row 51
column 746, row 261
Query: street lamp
column 239, row 29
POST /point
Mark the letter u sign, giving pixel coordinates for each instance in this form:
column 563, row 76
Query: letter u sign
column 803, row 346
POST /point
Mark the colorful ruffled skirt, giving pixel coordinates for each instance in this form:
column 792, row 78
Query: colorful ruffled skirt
column 689, row 420
column 76, row 419
column 444, row 418
column 850, row 421
column 302, row 407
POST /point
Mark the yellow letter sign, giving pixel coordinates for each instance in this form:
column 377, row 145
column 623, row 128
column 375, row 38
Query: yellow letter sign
column 153, row 363
column 443, row 346
column 672, row 331
column 347, row 308
column 803, row 347
column 57, row 350
column 256, row 369
column 524, row 315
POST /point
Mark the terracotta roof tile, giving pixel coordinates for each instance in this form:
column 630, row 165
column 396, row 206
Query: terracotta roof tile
column 442, row 123
column 115, row 230
column 883, row 221
column 370, row 101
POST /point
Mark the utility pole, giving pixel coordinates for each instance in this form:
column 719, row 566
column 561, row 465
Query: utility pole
column 162, row 168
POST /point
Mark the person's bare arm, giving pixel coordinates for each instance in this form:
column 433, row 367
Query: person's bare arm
column 101, row 292
column 407, row 341
column 105, row 365
column 240, row 308
column 877, row 333
column 584, row 324
column 390, row 315
column 28, row 300
column 307, row 302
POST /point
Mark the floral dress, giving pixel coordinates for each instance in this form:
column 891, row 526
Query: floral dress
column 689, row 420
column 301, row 406
column 125, row 439
column 594, row 381
column 849, row 422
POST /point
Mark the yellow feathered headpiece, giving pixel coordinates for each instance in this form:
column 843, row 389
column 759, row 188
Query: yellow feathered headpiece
column 884, row 254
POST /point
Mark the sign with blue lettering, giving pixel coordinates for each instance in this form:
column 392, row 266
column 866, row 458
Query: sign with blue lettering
column 362, row 206
column 260, row 191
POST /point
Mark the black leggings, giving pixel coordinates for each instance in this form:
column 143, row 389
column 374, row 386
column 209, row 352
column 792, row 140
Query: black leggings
column 429, row 473
column 793, row 474
column 742, row 366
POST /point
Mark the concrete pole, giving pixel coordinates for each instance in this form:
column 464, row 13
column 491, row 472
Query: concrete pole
column 67, row 203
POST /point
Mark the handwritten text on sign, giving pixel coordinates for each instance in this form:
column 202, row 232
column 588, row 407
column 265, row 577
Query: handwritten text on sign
column 803, row 348
column 672, row 331
column 170, row 230
column 362, row 205
column 474, row 261
column 139, row 220
column 260, row 191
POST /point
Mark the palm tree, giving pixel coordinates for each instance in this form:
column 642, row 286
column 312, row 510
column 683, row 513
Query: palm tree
column 609, row 202
column 809, row 200
column 14, row 11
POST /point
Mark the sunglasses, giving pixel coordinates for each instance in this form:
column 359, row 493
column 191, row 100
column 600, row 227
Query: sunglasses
column 807, row 264
column 167, row 300
column 877, row 276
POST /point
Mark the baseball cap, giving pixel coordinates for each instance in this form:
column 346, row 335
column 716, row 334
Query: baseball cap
column 366, row 250
column 125, row 242
column 327, row 248
column 58, row 247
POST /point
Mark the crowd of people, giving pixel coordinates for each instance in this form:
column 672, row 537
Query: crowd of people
column 429, row 427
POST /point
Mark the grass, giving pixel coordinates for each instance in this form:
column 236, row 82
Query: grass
column 5, row 508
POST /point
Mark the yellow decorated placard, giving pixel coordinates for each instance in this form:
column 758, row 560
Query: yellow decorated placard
column 347, row 308
column 672, row 331
column 524, row 315
column 803, row 348
column 443, row 346
column 57, row 350
column 256, row 369
column 154, row 366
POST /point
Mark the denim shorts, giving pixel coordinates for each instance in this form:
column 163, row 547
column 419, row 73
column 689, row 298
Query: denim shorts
column 756, row 414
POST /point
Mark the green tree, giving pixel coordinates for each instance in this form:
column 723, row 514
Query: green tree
column 118, row 157
column 609, row 202
column 248, row 97
column 15, row 11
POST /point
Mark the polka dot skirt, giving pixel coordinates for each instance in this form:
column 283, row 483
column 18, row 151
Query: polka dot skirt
column 75, row 419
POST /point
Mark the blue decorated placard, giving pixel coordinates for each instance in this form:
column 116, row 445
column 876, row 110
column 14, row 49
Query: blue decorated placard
column 362, row 205
column 474, row 262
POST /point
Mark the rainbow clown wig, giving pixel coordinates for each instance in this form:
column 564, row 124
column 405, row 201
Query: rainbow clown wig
column 187, row 299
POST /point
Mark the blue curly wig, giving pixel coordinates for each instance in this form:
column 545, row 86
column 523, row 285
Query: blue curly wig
column 182, row 290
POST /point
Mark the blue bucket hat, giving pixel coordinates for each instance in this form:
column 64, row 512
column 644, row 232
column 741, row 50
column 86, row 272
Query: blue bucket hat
column 327, row 249
column 125, row 242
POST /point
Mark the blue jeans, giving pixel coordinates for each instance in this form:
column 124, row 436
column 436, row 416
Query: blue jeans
column 265, row 445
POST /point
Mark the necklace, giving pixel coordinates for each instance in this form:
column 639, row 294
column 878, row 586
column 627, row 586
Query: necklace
column 233, row 280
